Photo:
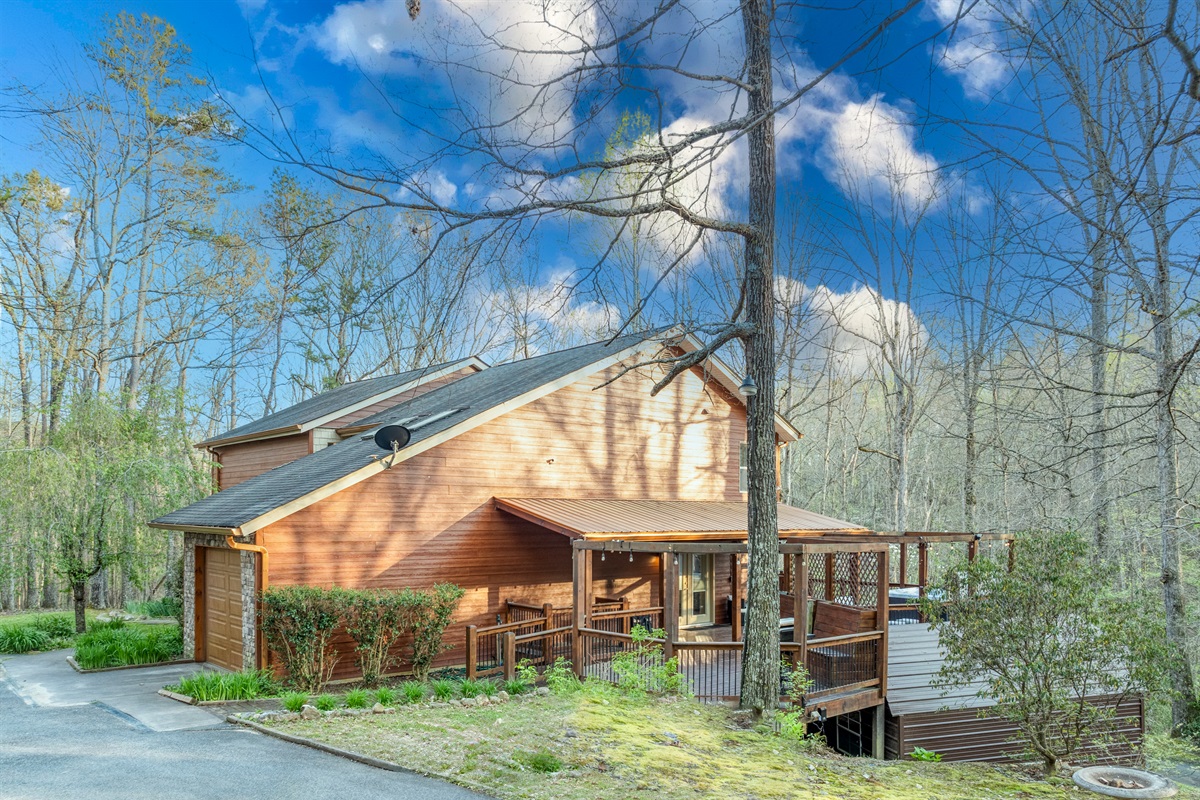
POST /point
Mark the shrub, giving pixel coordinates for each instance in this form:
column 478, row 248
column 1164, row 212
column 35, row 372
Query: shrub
column 516, row 686
column 443, row 689
column 166, row 607
column 208, row 686
column 326, row 702
column 541, row 761
column 428, row 615
column 294, row 701
column 413, row 691
column 298, row 623
column 1043, row 635
column 375, row 620
column 23, row 639
column 385, row 695
column 357, row 698
column 489, row 688
column 118, row 645
column 560, row 678
column 643, row 669
column 470, row 688
column 921, row 754
column 56, row 626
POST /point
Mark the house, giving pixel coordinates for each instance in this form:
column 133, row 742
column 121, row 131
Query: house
column 571, row 502
column 306, row 496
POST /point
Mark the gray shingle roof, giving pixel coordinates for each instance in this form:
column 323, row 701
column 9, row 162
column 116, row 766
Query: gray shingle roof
column 330, row 402
column 473, row 394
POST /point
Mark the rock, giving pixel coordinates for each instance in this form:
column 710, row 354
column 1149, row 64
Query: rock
column 571, row 733
column 378, row 708
column 439, row 705
column 291, row 716
column 456, row 702
column 502, row 696
column 470, row 701
column 483, row 700
column 542, row 691
column 309, row 712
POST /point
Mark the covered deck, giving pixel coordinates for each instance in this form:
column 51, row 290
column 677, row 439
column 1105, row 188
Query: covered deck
column 841, row 587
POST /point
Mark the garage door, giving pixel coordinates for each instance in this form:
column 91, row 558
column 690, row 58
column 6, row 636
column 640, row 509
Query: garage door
column 223, row 608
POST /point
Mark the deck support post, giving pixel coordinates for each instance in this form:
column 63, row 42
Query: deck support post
column 472, row 651
column 881, row 620
column 735, row 613
column 800, row 605
column 581, row 601
column 670, row 602
column 508, row 649
column 904, row 564
column 877, row 732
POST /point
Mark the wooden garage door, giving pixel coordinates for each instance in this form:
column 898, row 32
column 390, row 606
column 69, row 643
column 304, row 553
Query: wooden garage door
column 223, row 608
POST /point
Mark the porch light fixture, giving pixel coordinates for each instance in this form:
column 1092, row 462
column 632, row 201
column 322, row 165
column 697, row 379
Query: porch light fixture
column 748, row 388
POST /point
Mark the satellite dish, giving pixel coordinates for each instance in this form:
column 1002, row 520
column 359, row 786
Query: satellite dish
column 392, row 437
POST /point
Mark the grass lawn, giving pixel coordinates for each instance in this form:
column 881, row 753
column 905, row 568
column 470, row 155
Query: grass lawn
column 611, row 746
column 28, row 617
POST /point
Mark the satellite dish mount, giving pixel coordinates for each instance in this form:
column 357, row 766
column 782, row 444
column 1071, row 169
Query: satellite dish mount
column 392, row 438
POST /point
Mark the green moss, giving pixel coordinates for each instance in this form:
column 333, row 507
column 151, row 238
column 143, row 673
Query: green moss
column 610, row 745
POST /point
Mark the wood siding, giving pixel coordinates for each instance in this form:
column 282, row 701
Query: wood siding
column 397, row 399
column 432, row 518
column 241, row 462
column 964, row 735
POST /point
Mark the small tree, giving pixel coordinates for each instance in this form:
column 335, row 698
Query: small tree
column 375, row 621
column 299, row 623
column 1044, row 637
column 428, row 615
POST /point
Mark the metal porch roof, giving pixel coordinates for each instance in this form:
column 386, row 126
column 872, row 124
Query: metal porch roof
column 661, row 519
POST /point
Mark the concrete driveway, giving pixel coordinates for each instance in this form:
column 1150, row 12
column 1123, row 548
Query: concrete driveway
column 109, row 735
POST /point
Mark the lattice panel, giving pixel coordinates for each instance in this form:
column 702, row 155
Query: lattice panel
column 848, row 578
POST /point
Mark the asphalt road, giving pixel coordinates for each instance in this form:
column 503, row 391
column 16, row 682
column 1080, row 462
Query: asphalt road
column 94, row 750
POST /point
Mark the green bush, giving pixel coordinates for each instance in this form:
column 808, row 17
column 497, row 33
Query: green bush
column 375, row 620
column 208, row 686
column 443, row 689
column 56, row 626
column 326, row 702
column 489, row 688
column 299, row 623
column 470, row 688
column 166, row 607
column 921, row 754
column 294, row 701
column 385, row 695
column 23, row 639
column 516, row 686
column 118, row 645
column 413, row 691
column 357, row 698
column 561, row 678
column 643, row 669
column 429, row 614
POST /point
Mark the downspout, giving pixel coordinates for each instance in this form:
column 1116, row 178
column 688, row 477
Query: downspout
column 262, row 587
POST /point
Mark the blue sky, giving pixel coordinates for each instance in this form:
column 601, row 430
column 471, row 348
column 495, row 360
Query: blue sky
column 864, row 133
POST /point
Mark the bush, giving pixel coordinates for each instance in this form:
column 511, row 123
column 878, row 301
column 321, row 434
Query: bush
column 413, row 691
column 117, row 645
column 470, row 688
column 428, row 615
column 643, row 669
column 294, row 701
column 357, row 698
column 298, row 623
column 489, row 688
column 516, row 686
column 23, row 639
column 375, row 620
column 209, row 686
column 56, row 626
column 326, row 702
column 166, row 607
column 385, row 695
column 561, row 678
column 443, row 689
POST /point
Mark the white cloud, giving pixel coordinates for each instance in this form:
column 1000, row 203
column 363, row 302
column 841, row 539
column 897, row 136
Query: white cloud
column 531, row 319
column 974, row 54
column 852, row 333
column 251, row 7
column 870, row 147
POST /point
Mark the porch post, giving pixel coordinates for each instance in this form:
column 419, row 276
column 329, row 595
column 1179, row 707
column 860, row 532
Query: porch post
column 736, row 611
column 881, row 619
column 922, row 566
column 877, row 732
column 904, row 563
column 670, row 602
column 800, row 607
column 581, row 600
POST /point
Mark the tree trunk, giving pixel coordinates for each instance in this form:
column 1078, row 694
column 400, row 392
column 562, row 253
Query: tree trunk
column 760, row 654
column 79, row 596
